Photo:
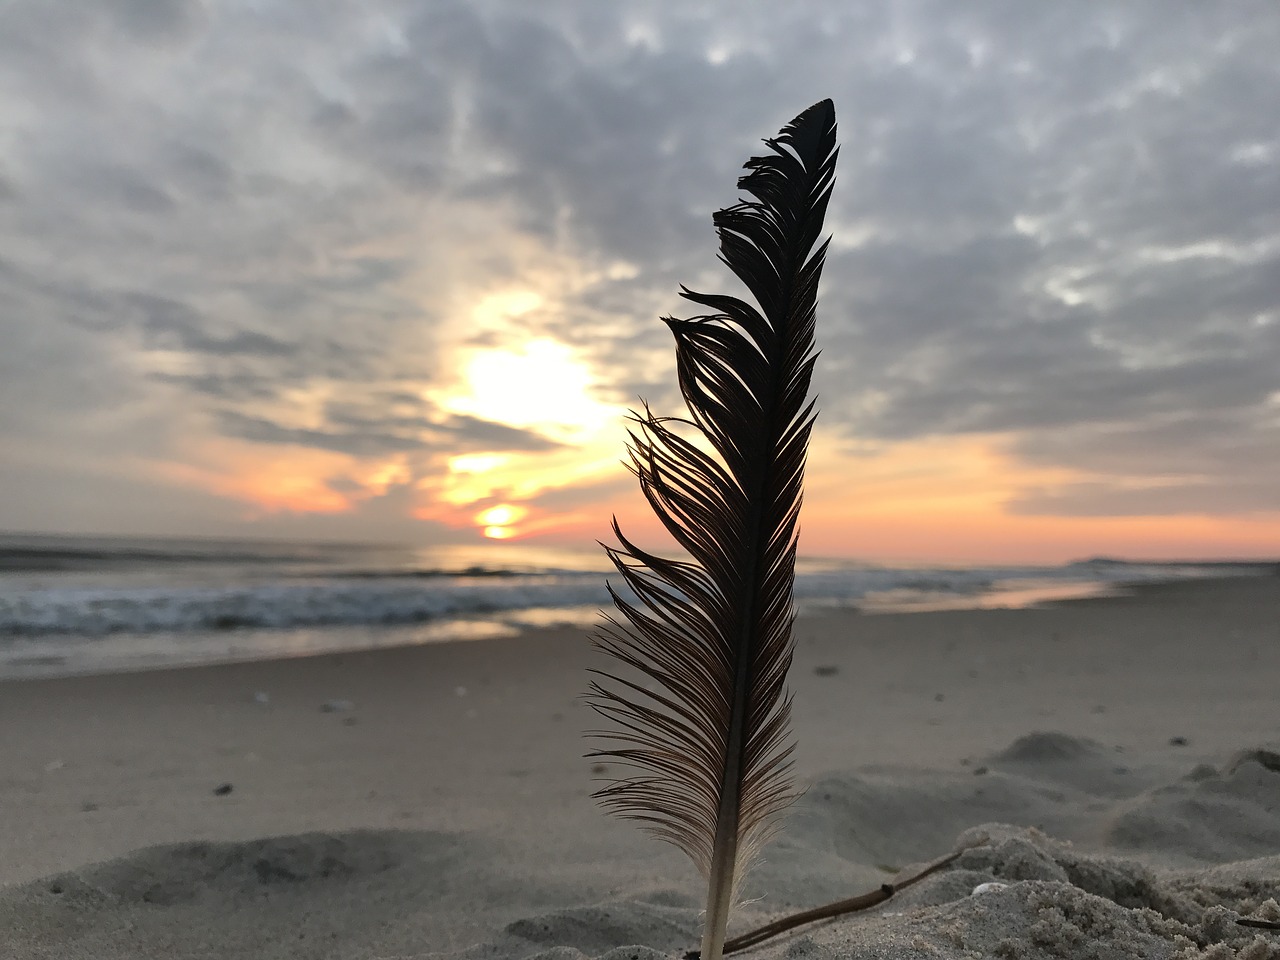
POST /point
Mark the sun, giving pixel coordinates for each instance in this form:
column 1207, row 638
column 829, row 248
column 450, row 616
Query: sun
column 540, row 384
column 497, row 522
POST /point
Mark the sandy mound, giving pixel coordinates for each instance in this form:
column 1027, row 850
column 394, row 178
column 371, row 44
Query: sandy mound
column 1052, row 902
column 1135, row 883
column 1137, row 870
column 312, row 895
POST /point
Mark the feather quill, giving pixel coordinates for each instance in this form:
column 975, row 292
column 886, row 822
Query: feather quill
column 702, row 721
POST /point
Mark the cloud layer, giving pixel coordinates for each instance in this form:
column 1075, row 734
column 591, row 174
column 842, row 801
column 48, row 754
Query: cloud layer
column 287, row 226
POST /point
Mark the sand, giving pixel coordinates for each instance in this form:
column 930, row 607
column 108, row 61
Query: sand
column 1114, row 759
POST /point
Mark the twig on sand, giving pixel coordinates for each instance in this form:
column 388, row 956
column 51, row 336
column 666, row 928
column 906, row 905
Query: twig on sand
column 863, row 901
column 1260, row 924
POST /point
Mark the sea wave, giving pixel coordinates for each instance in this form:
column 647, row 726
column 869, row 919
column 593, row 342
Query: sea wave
column 357, row 597
column 340, row 601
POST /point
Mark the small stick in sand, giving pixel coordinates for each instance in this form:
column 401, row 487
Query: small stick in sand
column 1260, row 924
column 863, row 901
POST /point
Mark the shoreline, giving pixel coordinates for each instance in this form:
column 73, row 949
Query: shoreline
column 470, row 753
column 352, row 640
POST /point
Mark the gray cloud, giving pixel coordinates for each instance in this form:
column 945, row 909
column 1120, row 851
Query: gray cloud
column 476, row 434
column 171, row 324
column 198, row 174
column 129, row 189
column 239, row 387
column 585, row 494
column 377, row 437
column 261, row 430
column 1230, row 496
column 157, row 21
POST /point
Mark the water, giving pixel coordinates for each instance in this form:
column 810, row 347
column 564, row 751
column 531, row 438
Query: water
column 75, row 605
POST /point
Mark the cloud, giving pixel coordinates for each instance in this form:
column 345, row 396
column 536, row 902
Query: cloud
column 588, row 494
column 259, row 430
column 1232, row 496
column 380, row 437
column 168, row 323
column 476, row 434
column 157, row 21
column 1209, row 460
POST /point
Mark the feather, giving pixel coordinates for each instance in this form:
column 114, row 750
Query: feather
column 702, row 724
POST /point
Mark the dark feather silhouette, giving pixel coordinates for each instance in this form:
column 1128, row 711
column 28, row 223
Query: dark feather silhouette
column 704, row 725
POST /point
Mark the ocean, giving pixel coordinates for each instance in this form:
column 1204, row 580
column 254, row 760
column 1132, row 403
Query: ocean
column 84, row 605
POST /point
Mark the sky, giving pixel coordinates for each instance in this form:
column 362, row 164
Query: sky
column 391, row 271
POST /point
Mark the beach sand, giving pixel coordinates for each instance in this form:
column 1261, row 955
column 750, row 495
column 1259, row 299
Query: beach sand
column 1115, row 759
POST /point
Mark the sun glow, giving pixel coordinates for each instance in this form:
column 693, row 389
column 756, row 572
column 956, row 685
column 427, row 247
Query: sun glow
column 533, row 384
column 472, row 463
column 382, row 478
column 540, row 385
column 269, row 483
column 497, row 522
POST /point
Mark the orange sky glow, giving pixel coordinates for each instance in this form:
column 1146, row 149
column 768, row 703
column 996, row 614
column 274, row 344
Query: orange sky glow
column 941, row 499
